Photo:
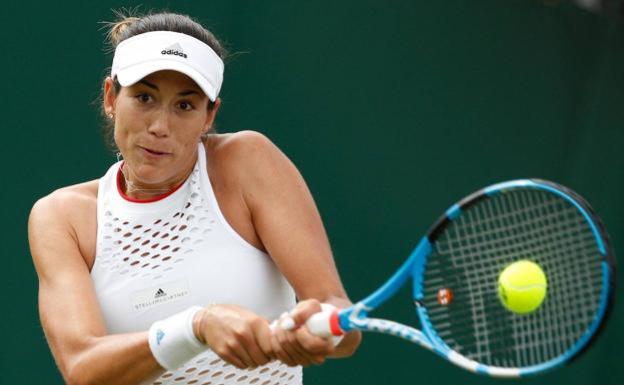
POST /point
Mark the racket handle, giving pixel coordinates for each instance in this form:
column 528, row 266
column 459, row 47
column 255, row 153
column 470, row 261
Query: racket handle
column 284, row 321
column 325, row 323
column 322, row 324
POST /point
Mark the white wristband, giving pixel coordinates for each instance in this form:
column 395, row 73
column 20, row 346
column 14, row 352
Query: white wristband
column 172, row 340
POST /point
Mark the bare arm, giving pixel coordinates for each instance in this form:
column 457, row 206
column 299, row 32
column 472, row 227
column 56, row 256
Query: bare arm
column 68, row 307
column 288, row 223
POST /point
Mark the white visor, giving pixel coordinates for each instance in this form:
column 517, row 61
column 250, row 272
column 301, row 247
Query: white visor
column 143, row 54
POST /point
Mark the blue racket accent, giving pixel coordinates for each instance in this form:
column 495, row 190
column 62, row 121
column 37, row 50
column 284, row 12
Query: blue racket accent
column 420, row 260
column 406, row 271
column 482, row 369
column 428, row 331
column 348, row 317
column 453, row 212
column 498, row 187
column 442, row 260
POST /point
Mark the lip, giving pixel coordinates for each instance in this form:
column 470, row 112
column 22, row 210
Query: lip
column 154, row 153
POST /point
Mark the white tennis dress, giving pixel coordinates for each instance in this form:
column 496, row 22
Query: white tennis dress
column 156, row 258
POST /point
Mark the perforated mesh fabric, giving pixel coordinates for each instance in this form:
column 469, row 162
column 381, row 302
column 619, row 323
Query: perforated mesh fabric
column 209, row 369
column 149, row 249
column 156, row 259
column 471, row 252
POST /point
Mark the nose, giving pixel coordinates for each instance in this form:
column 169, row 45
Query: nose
column 160, row 126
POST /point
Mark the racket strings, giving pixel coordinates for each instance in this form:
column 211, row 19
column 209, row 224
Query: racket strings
column 566, row 250
column 521, row 345
column 474, row 249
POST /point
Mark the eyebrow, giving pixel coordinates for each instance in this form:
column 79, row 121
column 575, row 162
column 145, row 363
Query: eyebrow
column 153, row 86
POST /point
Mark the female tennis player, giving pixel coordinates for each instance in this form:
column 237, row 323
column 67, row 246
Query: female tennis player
column 170, row 267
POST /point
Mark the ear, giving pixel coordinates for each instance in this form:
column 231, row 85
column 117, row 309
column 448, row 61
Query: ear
column 109, row 96
column 210, row 117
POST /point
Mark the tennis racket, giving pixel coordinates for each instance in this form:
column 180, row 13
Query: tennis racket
column 454, row 271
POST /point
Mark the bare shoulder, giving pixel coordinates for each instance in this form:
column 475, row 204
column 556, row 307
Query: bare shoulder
column 249, row 143
column 249, row 164
column 67, row 202
column 248, row 153
column 66, row 217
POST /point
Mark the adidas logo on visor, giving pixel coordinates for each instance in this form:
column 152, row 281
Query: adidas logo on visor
column 174, row 49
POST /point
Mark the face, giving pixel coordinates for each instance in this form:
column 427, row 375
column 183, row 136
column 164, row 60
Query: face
column 158, row 123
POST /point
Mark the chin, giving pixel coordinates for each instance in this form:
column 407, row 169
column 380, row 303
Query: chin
column 149, row 174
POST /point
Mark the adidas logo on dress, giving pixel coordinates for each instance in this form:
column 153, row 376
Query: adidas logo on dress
column 160, row 293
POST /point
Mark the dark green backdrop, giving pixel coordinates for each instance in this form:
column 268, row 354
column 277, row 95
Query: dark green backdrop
column 391, row 110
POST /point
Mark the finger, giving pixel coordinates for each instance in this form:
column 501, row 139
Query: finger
column 280, row 353
column 262, row 334
column 304, row 310
column 247, row 339
column 257, row 355
column 232, row 359
column 286, row 341
column 314, row 348
column 295, row 349
column 239, row 350
column 228, row 356
column 312, row 344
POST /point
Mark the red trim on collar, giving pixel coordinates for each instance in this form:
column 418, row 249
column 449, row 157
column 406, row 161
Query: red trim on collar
column 135, row 200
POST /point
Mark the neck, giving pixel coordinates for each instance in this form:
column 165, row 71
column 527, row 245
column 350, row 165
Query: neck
column 135, row 189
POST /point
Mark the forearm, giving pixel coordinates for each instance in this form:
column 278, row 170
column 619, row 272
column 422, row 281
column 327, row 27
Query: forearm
column 115, row 359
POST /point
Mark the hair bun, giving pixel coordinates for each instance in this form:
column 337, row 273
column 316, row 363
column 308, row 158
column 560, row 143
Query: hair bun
column 118, row 28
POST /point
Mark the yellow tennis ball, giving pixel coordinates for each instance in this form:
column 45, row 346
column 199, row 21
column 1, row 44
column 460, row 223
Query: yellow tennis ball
column 522, row 286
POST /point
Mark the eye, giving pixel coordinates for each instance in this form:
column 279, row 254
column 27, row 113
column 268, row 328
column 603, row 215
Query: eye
column 144, row 97
column 186, row 106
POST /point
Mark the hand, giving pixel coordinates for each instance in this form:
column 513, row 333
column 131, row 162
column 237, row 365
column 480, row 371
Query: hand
column 298, row 346
column 237, row 335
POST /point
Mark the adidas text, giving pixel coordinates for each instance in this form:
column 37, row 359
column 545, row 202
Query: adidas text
column 173, row 52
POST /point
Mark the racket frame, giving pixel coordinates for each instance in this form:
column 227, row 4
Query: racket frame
column 356, row 316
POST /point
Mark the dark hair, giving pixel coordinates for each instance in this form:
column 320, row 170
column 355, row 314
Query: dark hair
column 127, row 26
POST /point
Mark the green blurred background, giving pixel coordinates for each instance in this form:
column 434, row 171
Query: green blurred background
column 392, row 110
